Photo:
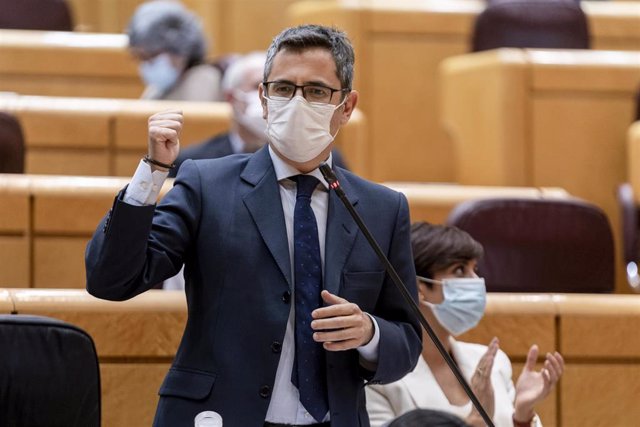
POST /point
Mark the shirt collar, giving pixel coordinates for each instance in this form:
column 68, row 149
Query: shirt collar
column 284, row 170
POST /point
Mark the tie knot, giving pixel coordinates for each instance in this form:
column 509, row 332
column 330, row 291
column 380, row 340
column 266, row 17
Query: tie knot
column 306, row 185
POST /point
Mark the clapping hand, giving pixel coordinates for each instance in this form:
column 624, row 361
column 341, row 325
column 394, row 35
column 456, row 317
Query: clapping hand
column 533, row 386
column 481, row 385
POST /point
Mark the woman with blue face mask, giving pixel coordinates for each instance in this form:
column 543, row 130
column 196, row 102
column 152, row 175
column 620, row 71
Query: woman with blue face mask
column 452, row 297
column 169, row 44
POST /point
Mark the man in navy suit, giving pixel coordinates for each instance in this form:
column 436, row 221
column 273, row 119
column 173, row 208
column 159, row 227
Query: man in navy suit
column 231, row 223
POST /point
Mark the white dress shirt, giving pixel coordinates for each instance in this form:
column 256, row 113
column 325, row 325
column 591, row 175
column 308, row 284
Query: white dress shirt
column 284, row 406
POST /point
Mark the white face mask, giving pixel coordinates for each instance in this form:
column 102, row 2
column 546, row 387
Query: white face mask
column 298, row 129
column 464, row 302
column 159, row 72
column 251, row 117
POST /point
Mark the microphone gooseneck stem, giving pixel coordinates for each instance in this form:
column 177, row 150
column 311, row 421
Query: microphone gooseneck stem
column 334, row 184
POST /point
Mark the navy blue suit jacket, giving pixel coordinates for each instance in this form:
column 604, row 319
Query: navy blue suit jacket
column 224, row 220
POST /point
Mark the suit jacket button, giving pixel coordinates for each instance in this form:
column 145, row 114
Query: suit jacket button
column 276, row 346
column 265, row 391
column 286, row 297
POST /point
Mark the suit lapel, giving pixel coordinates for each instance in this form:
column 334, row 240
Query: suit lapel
column 265, row 207
column 341, row 235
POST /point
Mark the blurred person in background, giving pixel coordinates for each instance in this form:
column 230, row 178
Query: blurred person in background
column 246, row 133
column 168, row 41
column 452, row 298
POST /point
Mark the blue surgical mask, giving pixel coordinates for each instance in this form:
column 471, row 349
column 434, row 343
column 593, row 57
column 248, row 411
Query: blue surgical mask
column 464, row 302
column 159, row 72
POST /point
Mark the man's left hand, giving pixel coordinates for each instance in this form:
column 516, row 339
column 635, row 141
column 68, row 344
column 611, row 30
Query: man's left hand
column 341, row 325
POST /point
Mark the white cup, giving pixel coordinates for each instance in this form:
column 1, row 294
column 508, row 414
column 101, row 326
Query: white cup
column 208, row 419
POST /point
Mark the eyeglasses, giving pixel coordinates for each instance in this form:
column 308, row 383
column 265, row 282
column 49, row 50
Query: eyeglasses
column 312, row 93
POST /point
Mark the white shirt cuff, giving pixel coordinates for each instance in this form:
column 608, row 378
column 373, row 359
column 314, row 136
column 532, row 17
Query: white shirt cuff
column 145, row 186
column 369, row 351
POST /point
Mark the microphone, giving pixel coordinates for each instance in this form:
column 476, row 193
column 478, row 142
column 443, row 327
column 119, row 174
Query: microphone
column 334, row 185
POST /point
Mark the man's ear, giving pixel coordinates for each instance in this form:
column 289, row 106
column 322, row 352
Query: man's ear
column 349, row 106
column 422, row 291
column 263, row 101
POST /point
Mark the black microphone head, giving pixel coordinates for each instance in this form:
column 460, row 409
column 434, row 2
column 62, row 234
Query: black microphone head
column 330, row 177
column 327, row 172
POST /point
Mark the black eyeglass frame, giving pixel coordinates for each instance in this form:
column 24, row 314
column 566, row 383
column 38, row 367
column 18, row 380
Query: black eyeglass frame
column 344, row 91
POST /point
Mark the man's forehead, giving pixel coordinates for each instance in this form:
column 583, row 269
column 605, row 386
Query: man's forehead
column 306, row 51
column 321, row 59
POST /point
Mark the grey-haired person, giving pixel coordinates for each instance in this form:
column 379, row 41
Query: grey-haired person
column 168, row 41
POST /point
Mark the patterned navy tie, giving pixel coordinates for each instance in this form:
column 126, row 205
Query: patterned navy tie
column 309, row 371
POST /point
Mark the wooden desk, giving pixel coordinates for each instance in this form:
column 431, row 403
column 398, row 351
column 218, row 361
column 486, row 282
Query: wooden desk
column 229, row 25
column 399, row 46
column 65, row 213
column 106, row 137
column 136, row 341
column 67, row 64
column 522, row 117
column 434, row 202
column 45, row 223
column 46, row 220
column 15, row 233
column 599, row 338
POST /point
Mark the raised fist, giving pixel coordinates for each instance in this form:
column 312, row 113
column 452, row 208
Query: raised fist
column 164, row 136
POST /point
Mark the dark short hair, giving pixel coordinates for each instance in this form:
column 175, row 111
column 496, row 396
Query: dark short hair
column 437, row 247
column 427, row 417
column 303, row 37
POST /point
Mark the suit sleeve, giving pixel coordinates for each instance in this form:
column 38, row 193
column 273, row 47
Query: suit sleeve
column 400, row 334
column 136, row 247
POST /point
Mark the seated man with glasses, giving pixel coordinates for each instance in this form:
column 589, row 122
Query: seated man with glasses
column 290, row 310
